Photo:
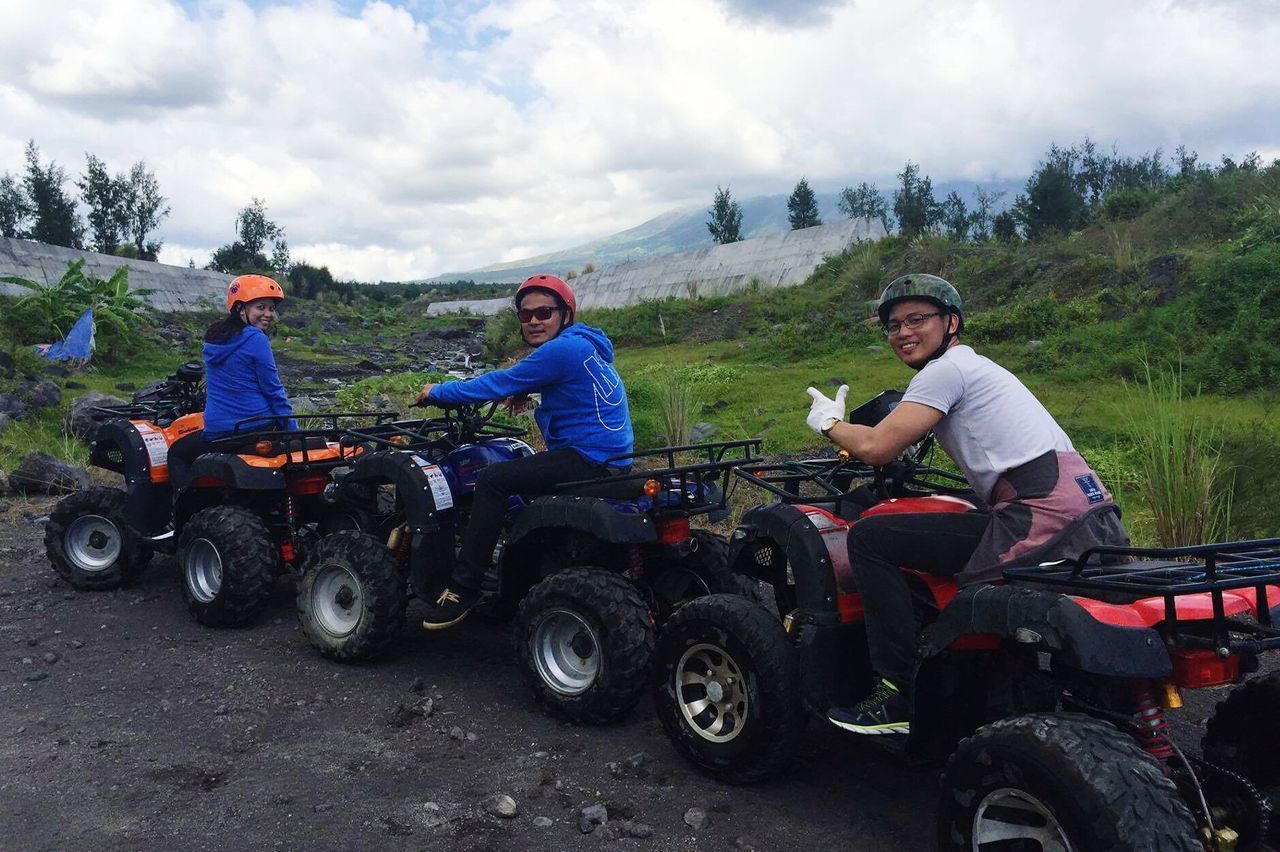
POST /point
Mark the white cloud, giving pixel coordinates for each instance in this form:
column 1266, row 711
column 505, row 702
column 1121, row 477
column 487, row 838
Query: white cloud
column 394, row 141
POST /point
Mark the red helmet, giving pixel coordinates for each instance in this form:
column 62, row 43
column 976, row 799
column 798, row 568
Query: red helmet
column 551, row 284
column 246, row 288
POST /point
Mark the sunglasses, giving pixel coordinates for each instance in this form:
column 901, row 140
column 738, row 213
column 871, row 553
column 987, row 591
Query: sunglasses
column 528, row 314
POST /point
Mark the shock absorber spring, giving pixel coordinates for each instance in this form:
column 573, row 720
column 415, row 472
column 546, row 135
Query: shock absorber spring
column 635, row 562
column 1150, row 715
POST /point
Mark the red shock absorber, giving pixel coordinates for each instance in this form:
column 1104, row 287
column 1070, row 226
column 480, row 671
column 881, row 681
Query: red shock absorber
column 635, row 562
column 287, row 553
column 1150, row 715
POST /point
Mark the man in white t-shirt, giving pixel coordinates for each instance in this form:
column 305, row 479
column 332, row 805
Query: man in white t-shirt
column 1044, row 501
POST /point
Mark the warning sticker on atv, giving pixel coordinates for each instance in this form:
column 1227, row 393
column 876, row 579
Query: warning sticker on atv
column 435, row 479
column 157, row 447
column 1092, row 490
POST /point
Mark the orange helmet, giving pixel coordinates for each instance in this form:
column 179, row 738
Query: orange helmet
column 246, row 288
column 551, row 284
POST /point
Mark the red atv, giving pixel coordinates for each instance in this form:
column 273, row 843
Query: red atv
column 1045, row 693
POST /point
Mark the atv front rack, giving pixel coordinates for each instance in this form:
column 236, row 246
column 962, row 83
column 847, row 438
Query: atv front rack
column 445, row 432
column 685, row 489
column 833, row 480
column 1173, row 572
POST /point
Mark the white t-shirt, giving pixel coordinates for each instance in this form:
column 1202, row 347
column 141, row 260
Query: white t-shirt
column 991, row 423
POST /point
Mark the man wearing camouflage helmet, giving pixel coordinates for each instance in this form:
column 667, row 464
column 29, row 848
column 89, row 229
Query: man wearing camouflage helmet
column 1044, row 502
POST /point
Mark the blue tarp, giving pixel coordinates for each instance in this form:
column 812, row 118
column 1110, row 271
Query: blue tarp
column 77, row 345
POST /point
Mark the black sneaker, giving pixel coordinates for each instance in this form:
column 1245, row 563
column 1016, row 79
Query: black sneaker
column 451, row 607
column 884, row 711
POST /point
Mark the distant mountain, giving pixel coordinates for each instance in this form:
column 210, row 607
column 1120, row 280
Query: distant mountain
column 686, row 230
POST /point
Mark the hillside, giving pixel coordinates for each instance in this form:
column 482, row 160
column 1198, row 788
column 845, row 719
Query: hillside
column 682, row 230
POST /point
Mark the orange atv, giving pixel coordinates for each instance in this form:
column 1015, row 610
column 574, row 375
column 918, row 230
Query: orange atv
column 102, row 538
column 257, row 507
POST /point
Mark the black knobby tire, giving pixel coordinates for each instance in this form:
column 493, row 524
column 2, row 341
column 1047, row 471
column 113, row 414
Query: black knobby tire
column 352, row 599
column 726, row 687
column 1064, row 775
column 703, row 572
column 1241, row 732
column 89, row 541
column 584, row 640
column 227, row 560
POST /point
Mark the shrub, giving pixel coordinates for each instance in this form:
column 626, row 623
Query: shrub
column 48, row 310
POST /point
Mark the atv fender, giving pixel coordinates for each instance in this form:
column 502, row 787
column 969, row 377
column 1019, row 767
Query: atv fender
column 118, row 446
column 791, row 531
column 1053, row 622
column 409, row 473
column 585, row 514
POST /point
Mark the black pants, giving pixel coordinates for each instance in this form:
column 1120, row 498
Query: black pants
column 529, row 476
column 879, row 547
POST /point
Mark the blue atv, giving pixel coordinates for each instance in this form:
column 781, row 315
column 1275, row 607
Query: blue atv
column 587, row 572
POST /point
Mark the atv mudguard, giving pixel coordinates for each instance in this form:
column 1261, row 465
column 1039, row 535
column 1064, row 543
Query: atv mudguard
column 431, row 550
column 1050, row 621
column 118, row 446
column 790, row 529
column 592, row 515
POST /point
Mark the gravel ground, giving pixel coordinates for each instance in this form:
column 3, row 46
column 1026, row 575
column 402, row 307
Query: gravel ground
column 125, row 725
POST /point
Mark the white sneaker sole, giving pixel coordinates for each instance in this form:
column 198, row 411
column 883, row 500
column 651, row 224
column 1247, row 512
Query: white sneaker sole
column 873, row 730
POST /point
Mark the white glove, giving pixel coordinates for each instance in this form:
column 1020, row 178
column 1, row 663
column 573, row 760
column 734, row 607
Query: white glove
column 825, row 413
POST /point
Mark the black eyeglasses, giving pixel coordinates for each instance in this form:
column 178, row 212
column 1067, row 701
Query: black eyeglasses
column 912, row 322
column 542, row 313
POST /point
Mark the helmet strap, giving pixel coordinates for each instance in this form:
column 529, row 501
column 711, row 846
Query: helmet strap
column 947, row 339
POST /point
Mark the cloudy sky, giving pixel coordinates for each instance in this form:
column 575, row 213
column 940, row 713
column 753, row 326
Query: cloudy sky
column 403, row 139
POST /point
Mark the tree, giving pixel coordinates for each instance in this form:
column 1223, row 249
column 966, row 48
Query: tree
column 146, row 208
column 15, row 209
column 864, row 201
column 725, row 223
column 955, row 217
column 802, row 207
column 982, row 218
column 53, row 210
column 1054, row 200
column 1004, row 227
column 246, row 253
column 913, row 203
column 107, row 199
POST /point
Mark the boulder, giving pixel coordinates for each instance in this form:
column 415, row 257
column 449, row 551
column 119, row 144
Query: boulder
column 80, row 420
column 41, row 473
column 43, row 394
column 11, row 404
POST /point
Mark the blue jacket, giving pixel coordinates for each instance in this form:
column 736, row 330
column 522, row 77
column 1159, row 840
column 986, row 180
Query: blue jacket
column 243, row 382
column 584, row 405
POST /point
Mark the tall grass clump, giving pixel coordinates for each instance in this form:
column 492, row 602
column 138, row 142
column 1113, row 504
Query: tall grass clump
column 675, row 408
column 1181, row 475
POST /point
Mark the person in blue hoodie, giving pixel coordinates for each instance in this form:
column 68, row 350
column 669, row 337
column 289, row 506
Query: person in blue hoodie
column 243, row 389
column 584, row 419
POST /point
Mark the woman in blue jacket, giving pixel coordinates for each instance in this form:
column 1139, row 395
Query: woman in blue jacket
column 583, row 417
column 243, row 389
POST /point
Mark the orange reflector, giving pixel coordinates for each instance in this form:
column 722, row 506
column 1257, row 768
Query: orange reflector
column 653, row 488
column 263, row 448
column 673, row 530
column 1195, row 668
column 844, row 455
column 308, row 485
column 400, row 440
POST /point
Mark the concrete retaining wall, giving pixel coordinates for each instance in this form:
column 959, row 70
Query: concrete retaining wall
column 177, row 288
column 779, row 260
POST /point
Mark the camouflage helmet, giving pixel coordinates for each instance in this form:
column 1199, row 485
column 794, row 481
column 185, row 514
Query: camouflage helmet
column 920, row 286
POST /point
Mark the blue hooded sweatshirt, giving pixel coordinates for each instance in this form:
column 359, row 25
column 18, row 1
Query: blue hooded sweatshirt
column 242, row 383
column 584, row 405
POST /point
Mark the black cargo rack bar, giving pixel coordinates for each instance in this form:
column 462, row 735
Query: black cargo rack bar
column 717, row 463
column 289, row 441
column 1170, row 572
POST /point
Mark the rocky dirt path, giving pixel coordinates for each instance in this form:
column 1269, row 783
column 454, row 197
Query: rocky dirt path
column 125, row 725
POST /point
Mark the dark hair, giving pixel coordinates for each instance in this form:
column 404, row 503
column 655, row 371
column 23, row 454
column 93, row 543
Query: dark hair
column 225, row 329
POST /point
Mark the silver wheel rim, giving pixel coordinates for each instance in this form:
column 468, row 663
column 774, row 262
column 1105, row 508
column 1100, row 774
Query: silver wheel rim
column 566, row 651
column 203, row 569
column 337, row 600
column 712, row 693
column 93, row 543
column 1009, row 814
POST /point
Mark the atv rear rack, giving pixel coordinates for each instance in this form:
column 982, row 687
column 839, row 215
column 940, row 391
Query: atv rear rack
column 306, row 440
column 835, row 479
column 687, row 488
column 1173, row 572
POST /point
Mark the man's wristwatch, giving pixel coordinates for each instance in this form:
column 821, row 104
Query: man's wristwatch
column 829, row 423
